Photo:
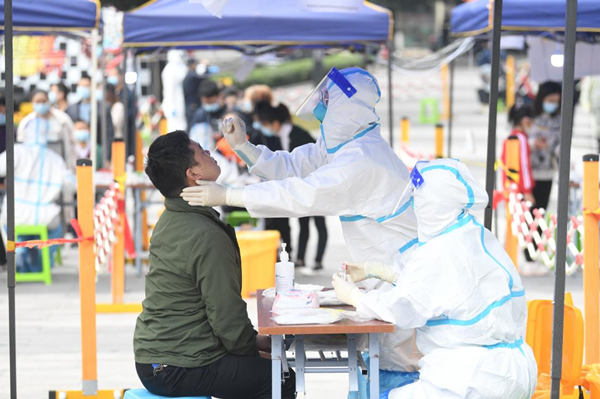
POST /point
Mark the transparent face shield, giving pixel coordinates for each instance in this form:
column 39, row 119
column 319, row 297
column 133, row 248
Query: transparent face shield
column 321, row 93
column 406, row 198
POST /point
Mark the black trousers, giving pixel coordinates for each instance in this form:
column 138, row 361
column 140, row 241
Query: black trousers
column 541, row 193
column 232, row 377
column 304, row 235
column 282, row 225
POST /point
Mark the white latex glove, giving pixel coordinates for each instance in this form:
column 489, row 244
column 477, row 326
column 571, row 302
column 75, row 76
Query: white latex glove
column 209, row 193
column 360, row 271
column 346, row 291
column 234, row 131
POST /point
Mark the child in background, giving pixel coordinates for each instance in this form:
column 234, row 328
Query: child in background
column 521, row 120
column 82, row 138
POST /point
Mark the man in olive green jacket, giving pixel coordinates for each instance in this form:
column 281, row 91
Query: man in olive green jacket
column 194, row 337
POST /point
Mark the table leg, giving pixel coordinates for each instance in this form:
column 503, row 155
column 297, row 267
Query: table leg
column 276, row 354
column 138, row 207
column 352, row 366
column 300, row 364
column 374, row 365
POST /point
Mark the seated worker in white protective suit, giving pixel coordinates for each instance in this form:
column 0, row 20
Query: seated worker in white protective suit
column 459, row 290
column 41, row 175
column 350, row 172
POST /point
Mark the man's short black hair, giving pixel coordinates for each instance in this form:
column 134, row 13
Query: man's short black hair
column 169, row 157
column 209, row 89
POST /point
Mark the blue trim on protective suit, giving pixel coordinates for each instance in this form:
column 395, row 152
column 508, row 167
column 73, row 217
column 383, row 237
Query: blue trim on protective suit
column 339, row 146
column 32, row 203
column 493, row 305
column 458, row 177
column 507, row 345
column 409, row 245
column 355, row 218
column 39, row 182
column 27, row 181
column 400, row 211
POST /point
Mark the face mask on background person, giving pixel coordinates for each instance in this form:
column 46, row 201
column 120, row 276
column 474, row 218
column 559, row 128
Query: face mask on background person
column 99, row 95
column 41, row 108
column 83, row 92
column 82, row 136
column 267, row 131
column 113, row 80
column 256, row 125
column 52, row 97
column 549, row 107
column 247, row 106
column 210, row 108
column 2, row 119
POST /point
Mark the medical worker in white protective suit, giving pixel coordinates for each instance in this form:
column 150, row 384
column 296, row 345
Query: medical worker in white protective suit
column 459, row 290
column 350, row 172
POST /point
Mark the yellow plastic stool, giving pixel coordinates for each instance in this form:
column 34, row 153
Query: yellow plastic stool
column 45, row 275
column 259, row 255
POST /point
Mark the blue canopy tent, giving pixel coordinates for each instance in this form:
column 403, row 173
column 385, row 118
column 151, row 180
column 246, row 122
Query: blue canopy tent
column 179, row 23
column 51, row 16
column 255, row 26
column 31, row 17
column 523, row 16
column 568, row 20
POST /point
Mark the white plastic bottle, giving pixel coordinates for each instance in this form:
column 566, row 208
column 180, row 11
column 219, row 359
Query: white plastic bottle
column 284, row 271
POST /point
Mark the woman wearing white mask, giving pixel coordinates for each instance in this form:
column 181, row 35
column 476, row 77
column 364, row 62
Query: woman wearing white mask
column 47, row 124
column 58, row 96
column 82, row 138
column 545, row 136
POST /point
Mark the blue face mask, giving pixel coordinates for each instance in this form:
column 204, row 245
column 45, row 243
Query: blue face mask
column 2, row 119
column 83, row 92
column 99, row 95
column 210, row 108
column 82, row 136
column 41, row 108
column 256, row 125
column 266, row 131
column 549, row 107
column 113, row 80
column 52, row 97
column 320, row 111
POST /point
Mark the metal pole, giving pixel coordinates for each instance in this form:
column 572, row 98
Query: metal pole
column 125, row 102
column 490, row 175
column 103, row 121
column 568, row 91
column 451, row 109
column 94, row 101
column 10, row 192
column 390, row 47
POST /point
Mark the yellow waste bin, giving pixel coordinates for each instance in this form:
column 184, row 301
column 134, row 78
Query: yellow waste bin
column 259, row 255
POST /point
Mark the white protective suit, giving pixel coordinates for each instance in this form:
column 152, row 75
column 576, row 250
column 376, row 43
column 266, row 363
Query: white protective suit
column 462, row 294
column 40, row 177
column 173, row 103
column 350, row 172
column 57, row 128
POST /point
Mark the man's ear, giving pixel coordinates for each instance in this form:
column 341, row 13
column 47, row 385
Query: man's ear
column 191, row 175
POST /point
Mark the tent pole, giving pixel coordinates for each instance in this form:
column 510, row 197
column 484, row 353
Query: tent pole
column 94, row 114
column 10, row 191
column 390, row 47
column 125, row 101
column 568, row 92
column 490, row 175
column 451, row 109
column 103, row 121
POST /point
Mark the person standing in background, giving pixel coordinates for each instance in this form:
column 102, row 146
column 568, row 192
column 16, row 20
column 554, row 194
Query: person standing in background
column 191, row 87
column 545, row 136
column 117, row 110
column 48, row 125
column 82, row 110
column 277, row 122
column 58, row 96
column 115, row 78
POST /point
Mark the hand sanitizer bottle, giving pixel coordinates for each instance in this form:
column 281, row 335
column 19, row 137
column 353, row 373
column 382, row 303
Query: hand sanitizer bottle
column 284, row 271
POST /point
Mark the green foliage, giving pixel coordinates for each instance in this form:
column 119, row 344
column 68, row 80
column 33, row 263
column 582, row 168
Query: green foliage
column 294, row 71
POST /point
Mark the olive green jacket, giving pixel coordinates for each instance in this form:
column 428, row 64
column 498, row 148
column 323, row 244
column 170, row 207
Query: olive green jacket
column 193, row 313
